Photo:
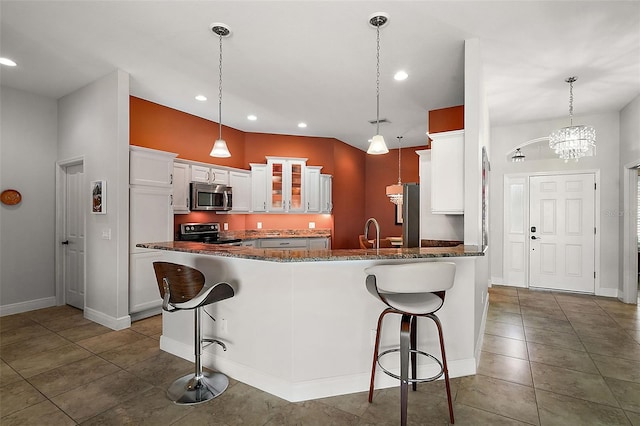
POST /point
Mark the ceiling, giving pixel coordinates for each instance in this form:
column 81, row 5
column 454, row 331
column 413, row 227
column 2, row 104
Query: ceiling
column 315, row 61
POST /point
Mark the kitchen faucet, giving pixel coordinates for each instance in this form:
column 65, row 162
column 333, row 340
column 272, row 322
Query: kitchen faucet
column 366, row 231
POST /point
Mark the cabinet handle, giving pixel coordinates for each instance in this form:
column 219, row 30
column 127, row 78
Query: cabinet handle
column 213, row 176
column 264, row 205
column 208, row 177
column 171, row 198
column 171, row 178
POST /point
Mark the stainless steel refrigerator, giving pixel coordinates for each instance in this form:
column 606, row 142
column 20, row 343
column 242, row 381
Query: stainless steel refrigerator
column 411, row 215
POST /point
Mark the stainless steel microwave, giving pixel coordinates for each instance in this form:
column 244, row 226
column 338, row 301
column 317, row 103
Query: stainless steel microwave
column 206, row 196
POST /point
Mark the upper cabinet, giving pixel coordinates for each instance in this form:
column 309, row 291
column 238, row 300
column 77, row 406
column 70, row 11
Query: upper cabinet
column 447, row 172
column 258, row 187
column 285, row 177
column 240, row 183
column 209, row 175
column 150, row 167
column 326, row 200
column 181, row 179
column 312, row 191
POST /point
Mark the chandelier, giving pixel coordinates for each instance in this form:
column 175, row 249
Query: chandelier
column 377, row 145
column 573, row 142
column 220, row 146
column 518, row 156
column 394, row 192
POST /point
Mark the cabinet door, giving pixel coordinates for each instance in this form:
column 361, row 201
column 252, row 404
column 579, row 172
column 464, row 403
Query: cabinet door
column 447, row 172
column 143, row 287
column 240, row 183
column 219, row 176
column 278, row 186
column 318, row 243
column 181, row 178
column 326, row 201
column 284, row 243
column 259, row 187
column 296, row 186
column 312, row 189
column 150, row 167
column 151, row 216
column 200, row 174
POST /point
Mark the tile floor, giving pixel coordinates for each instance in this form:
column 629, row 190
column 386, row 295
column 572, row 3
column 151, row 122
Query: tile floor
column 547, row 359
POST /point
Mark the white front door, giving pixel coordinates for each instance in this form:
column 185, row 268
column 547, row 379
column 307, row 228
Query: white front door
column 73, row 257
column 562, row 232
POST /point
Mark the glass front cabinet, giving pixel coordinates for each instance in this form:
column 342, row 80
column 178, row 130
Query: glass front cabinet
column 286, row 180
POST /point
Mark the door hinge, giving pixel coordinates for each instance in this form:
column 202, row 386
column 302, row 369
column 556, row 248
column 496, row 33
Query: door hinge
column 594, row 230
column 594, row 274
column 595, row 186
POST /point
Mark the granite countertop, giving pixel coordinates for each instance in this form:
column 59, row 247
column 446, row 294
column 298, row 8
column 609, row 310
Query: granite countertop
column 275, row 255
column 254, row 234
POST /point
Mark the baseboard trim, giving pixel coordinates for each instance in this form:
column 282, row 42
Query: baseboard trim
column 305, row 390
column 106, row 320
column 29, row 305
column 608, row 292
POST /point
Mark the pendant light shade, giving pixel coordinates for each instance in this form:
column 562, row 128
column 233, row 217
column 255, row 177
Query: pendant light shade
column 573, row 142
column 395, row 192
column 220, row 148
column 377, row 145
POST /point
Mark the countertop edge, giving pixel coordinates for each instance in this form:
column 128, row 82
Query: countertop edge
column 276, row 255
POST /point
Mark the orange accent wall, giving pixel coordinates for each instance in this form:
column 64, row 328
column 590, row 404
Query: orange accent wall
column 446, row 119
column 359, row 180
column 381, row 171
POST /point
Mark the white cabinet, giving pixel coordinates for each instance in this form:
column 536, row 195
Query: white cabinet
column 326, row 200
column 209, row 175
column 259, row 187
column 240, row 182
column 150, row 167
column 284, row 243
column 318, row 243
column 312, row 188
column 181, row 179
column 447, row 172
column 150, row 220
column 286, row 183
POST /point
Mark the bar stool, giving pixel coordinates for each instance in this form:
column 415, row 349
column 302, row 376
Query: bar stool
column 412, row 290
column 182, row 287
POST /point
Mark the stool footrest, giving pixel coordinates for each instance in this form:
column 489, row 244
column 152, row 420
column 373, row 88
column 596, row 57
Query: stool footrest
column 410, row 380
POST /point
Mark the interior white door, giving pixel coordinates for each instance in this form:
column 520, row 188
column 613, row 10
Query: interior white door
column 562, row 228
column 516, row 218
column 73, row 253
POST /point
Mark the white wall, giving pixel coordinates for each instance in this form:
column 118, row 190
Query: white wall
column 28, row 140
column 94, row 123
column 505, row 138
column 630, row 132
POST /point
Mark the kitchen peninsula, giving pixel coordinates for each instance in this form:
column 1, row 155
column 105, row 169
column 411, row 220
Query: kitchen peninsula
column 300, row 325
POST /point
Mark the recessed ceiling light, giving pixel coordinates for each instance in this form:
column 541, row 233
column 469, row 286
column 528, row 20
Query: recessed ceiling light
column 252, row 117
column 8, row 62
column 302, row 125
column 201, row 98
column 401, row 75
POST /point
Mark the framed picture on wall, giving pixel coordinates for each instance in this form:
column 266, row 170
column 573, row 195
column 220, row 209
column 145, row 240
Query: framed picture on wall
column 99, row 197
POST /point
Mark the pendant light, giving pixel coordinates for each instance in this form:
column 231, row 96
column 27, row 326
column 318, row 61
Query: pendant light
column 220, row 146
column 394, row 192
column 573, row 142
column 377, row 145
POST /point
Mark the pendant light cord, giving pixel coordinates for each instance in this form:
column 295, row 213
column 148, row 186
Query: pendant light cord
column 399, row 152
column 571, row 80
column 378, row 79
column 220, row 91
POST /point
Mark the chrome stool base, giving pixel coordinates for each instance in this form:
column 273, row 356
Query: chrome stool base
column 188, row 390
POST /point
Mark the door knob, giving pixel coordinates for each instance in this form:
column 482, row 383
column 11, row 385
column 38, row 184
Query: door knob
column 535, row 238
column 65, row 242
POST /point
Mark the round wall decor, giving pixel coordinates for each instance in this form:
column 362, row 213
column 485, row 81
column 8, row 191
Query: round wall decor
column 10, row 197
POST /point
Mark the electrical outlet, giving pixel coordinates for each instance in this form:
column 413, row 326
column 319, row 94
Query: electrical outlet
column 106, row 234
column 225, row 226
column 259, row 225
column 312, row 225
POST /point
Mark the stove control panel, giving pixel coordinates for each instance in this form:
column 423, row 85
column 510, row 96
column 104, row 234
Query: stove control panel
column 199, row 228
